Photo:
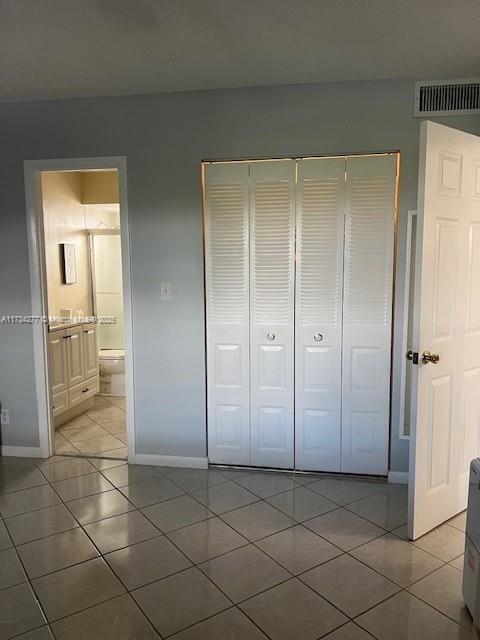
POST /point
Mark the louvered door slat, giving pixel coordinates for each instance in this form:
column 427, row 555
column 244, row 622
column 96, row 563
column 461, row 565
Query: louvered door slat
column 227, row 292
column 367, row 309
column 272, row 219
column 319, row 278
column 272, row 249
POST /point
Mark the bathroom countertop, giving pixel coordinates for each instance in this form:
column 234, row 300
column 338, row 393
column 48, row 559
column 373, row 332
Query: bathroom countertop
column 69, row 325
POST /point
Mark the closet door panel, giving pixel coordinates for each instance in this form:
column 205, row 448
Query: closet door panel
column 368, row 284
column 272, row 224
column 227, row 292
column 319, row 282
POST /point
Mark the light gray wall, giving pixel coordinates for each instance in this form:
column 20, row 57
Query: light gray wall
column 164, row 138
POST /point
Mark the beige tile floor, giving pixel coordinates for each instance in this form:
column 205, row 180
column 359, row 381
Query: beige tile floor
column 98, row 549
column 99, row 431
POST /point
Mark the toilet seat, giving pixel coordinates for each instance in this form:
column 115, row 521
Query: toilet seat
column 111, row 354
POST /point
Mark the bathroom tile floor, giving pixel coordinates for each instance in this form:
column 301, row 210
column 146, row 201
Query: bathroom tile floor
column 131, row 552
column 99, row 431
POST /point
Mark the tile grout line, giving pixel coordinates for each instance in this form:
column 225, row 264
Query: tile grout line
column 29, row 582
column 107, row 433
column 253, row 543
column 194, row 565
column 100, row 556
column 98, row 424
column 385, row 532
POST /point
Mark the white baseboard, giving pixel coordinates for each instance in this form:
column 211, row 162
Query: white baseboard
column 169, row 461
column 398, row 477
column 21, row 452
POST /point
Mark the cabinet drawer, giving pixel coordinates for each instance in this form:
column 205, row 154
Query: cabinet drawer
column 83, row 391
column 59, row 403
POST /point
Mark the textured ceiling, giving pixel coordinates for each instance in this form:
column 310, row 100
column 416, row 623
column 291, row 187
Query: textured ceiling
column 67, row 48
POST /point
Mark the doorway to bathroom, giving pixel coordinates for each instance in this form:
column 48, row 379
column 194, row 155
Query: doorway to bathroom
column 81, row 245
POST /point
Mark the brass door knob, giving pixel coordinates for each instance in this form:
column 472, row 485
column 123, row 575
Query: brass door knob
column 430, row 357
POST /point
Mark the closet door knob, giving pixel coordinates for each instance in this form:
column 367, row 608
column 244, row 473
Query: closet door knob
column 317, row 336
column 271, row 336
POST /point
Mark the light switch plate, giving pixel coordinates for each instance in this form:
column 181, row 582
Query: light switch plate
column 165, row 291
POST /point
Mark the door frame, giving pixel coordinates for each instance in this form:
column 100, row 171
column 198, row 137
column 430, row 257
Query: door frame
column 408, row 313
column 38, row 286
column 400, row 477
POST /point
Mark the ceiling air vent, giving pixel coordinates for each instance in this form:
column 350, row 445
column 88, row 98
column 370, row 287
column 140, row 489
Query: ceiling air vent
column 447, row 97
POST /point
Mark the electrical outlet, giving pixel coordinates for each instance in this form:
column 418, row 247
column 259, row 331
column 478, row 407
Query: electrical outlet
column 5, row 416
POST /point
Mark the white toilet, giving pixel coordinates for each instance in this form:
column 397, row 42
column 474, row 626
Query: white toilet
column 112, row 372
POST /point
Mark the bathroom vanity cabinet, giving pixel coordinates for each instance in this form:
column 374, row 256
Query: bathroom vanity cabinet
column 73, row 362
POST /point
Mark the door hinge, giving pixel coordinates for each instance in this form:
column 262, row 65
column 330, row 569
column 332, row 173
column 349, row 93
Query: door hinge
column 413, row 356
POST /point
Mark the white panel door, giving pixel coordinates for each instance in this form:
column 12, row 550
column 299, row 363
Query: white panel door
column 319, row 283
column 272, row 229
column 367, row 314
column 227, row 291
column 446, row 414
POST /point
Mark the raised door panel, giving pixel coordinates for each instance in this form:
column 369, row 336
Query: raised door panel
column 57, row 362
column 473, row 296
column 272, row 227
column 439, row 461
column 320, row 203
column 367, row 313
column 227, row 292
column 75, row 360
column 445, row 279
column 90, row 350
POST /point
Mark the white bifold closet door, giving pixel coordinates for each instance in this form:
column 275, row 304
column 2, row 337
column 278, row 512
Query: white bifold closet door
column 319, row 283
column 228, row 316
column 272, row 253
column 298, row 360
column 367, row 312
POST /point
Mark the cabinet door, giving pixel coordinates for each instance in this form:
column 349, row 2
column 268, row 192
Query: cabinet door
column 90, row 350
column 57, row 361
column 75, row 363
column 272, row 229
column 319, row 283
column 226, row 264
column 59, row 403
